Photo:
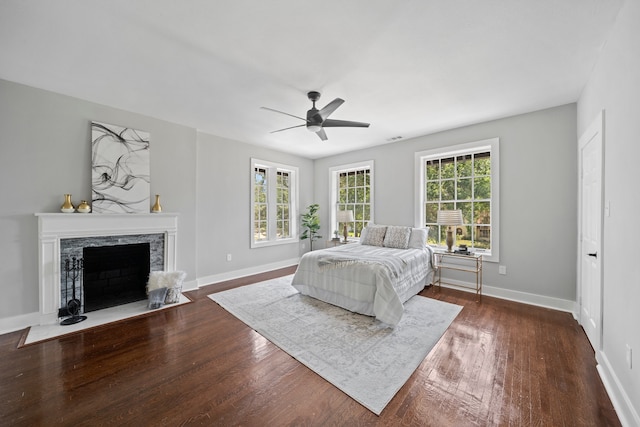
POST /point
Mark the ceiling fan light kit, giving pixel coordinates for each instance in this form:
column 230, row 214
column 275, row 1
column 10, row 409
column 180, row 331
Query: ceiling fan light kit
column 317, row 120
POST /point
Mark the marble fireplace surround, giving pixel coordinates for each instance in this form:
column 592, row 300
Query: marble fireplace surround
column 53, row 227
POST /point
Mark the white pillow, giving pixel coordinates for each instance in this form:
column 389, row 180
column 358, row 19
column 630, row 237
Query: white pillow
column 418, row 239
column 171, row 280
column 397, row 237
column 374, row 235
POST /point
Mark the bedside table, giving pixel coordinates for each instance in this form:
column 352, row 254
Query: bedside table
column 471, row 263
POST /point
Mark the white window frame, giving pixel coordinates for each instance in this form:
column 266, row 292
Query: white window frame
column 492, row 145
column 272, row 169
column 334, row 173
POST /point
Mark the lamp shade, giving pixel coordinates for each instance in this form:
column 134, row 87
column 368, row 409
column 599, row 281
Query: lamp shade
column 450, row 217
column 345, row 216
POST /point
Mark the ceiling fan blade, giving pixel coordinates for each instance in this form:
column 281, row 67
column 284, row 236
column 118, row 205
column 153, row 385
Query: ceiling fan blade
column 292, row 127
column 282, row 112
column 330, row 108
column 322, row 134
column 343, row 123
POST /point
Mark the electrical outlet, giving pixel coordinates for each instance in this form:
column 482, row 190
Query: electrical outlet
column 629, row 356
column 304, row 246
column 502, row 269
column 228, row 257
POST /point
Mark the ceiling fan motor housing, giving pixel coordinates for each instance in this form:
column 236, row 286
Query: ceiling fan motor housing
column 313, row 96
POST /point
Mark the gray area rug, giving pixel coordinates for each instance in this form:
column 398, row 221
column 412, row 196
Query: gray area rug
column 358, row 354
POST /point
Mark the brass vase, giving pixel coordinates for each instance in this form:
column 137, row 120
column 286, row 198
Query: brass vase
column 84, row 207
column 156, row 206
column 67, row 206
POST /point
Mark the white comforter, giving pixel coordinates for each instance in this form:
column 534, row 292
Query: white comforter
column 371, row 280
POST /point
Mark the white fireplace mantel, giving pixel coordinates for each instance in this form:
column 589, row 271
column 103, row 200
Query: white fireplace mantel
column 53, row 227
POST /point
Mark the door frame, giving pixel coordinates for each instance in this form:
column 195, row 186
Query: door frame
column 595, row 128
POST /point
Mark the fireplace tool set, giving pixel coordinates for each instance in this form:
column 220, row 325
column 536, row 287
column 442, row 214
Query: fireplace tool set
column 73, row 270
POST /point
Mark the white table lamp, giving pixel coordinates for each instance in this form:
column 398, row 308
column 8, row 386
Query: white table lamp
column 345, row 217
column 449, row 218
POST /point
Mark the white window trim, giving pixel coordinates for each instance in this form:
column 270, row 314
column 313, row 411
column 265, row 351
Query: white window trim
column 333, row 185
column 494, row 145
column 293, row 198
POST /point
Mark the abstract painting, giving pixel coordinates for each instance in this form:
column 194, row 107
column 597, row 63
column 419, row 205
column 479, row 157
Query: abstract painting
column 120, row 169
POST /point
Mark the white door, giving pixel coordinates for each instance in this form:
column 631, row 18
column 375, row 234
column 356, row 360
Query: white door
column 590, row 241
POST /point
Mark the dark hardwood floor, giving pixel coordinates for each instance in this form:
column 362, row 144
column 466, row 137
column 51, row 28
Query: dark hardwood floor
column 500, row 363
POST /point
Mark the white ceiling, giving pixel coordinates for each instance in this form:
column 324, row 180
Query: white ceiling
column 408, row 67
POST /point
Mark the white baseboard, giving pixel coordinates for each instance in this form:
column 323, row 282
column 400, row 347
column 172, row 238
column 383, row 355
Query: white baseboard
column 191, row 285
column 517, row 296
column 627, row 414
column 236, row 274
column 16, row 323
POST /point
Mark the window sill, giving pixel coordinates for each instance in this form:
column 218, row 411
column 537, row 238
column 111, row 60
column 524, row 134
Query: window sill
column 274, row 243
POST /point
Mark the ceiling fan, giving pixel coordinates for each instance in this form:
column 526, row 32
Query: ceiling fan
column 317, row 120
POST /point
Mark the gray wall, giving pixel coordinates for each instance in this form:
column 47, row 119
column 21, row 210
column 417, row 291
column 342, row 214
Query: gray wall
column 538, row 195
column 224, row 208
column 615, row 88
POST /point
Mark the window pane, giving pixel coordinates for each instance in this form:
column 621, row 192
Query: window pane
column 433, row 191
column 351, row 195
column 342, row 197
column 448, row 190
column 467, row 211
column 482, row 188
column 482, row 213
column 464, row 188
column 464, row 166
column 448, row 168
column 431, row 213
column 433, row 170
column 433, row 235
column 482, row 164
column 463, row 235
column 483, row 237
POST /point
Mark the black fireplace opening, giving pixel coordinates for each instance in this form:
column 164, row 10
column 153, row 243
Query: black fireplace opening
column 115, row 275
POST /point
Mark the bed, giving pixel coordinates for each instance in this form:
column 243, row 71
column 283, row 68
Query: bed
column 375, row 276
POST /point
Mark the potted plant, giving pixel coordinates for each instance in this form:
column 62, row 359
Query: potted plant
column 311, row 224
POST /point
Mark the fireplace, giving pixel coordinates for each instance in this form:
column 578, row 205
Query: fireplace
column 63, row 236
column 114, row 275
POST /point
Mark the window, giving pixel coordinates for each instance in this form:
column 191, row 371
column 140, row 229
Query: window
column 461, row 177
column 352, row 189
column 274, row 202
